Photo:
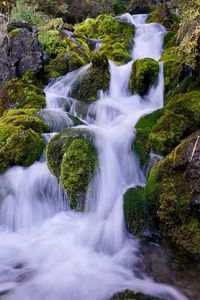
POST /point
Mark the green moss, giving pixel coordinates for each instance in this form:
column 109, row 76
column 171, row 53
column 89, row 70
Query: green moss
column 24, row 118
column 50, row 40
column 173, row 188
column 144, row 74
column 17, row 93
column 135, row 210
column 98, row 78
column 181, row 117
column 173, row 69
column 169, row 39
column 163, row 16
column 142, row 145
column 130, row 295
column 111, row 31
column 72, row 157
column 77, row 168
column 19, row 146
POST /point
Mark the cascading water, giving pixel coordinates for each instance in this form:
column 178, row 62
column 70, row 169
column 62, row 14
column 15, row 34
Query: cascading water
column 50, row 252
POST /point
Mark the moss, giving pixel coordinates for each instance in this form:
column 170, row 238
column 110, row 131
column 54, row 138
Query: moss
column 173, row 188
column 163, row 16
column 17, row 93
column 135, row 210
column 98, row 78
column 144, row 74
column 72, row 157
column 142, row 145
column 181, row 117
column 77, row 168
column 173, row 69
column 19, row 146
column 169, row 39
column 130, row 295
column 111, row 31
column 50, row 40
column 24, row 118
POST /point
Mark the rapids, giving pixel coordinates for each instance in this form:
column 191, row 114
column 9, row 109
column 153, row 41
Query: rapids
column 49, row 252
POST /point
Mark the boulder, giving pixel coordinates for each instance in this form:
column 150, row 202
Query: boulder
column 173, row 187
column 72, row 158
column 19, row 51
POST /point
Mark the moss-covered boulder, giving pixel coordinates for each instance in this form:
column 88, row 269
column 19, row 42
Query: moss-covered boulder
column 134, row 210
column 18, row 93
column 88, row 85
column 21, row 142
column 65, row 53
column 164, row 16
column 181, row 117
column 142, row 145
column 173, row 70
column 72, row 158
column 130, row 295
column 19, row 146
column 116, row 36
column 144, row 74
column 25, row 118
column 173, row 185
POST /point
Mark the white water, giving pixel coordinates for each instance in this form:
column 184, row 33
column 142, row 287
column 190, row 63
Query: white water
column 73, row 256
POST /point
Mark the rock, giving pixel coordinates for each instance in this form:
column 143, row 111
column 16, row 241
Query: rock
column 164, row 16
column 25, row 52
column 173, row 186
column 130, row 295
column 19, row 51
column 72, row 158
column 98, row 78
column 19, row 93
column 144, row 74
column 142, row 145
column 181, row 117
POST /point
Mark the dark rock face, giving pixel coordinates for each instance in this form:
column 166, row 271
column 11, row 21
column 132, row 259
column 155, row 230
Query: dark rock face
column 19, row 51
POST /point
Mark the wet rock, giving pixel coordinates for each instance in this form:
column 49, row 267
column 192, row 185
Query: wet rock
column 19, row 50
column 173, row 187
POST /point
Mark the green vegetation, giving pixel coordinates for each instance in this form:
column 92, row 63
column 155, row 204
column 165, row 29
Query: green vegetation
column 144, row 74
column 173, row 187
column 142, row 145
column 130, row 295
column 181, row 117
column 117, row 36
column 165, row 17
column 72, row 157
column 18, row 93
column 99, row 80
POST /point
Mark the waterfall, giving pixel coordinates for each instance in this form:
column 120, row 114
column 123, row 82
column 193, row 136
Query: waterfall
column 50, row 252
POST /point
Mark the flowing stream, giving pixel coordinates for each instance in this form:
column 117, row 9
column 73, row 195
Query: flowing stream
column 49, row 252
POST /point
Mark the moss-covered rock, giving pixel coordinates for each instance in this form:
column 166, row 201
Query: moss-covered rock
column 173, row 70
column 88, row 85
column 142, row 145
column 117, row 36
column 130, row 295
column 18, row 93
column 169, row 39
column 66, row 53
column 173, row 185
column 19, row 146
column 72, row 157
column 21, row 142
column 25, row 118
column 134, row 210
column 181, row 117
column 165, row 17
column 144, row 74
